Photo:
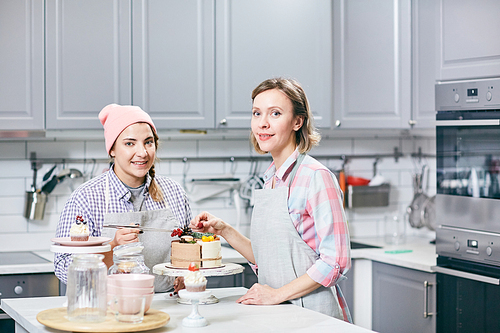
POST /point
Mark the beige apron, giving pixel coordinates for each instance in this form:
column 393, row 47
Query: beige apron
column 156, row 244
column 281, row 254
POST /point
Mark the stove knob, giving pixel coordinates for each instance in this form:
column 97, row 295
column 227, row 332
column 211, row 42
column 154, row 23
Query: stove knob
column 18, row 290
column 457, row 246
column 489, row 251
column 457, row 98
column 488, row 96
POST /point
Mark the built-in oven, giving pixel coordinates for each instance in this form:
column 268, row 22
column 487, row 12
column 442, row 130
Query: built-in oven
column 468, row 205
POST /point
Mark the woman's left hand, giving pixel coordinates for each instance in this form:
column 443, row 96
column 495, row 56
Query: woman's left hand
column 179, row 284
column 261, row 295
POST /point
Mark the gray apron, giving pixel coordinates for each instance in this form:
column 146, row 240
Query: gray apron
column 281, row 254
column 156, row 244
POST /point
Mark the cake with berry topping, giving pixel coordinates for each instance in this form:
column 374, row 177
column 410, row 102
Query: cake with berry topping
column 194, row 280
column 79, row 230
column 203, row 249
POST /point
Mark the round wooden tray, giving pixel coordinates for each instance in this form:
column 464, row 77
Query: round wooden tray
column 57, row 318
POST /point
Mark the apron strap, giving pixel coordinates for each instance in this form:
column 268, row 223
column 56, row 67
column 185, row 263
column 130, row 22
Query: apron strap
column 298, row 162
column 106, row 195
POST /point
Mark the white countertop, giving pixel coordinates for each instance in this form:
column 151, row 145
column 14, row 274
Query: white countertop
column 225, row 316
column 422, row 256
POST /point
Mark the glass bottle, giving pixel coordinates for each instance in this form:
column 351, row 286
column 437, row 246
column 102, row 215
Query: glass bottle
column 86, row 290
column 128, row 259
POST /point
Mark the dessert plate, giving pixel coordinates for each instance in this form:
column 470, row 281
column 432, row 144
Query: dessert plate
column 92, row 241
column 169, row 265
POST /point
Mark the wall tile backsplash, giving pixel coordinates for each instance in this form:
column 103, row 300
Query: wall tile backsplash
column 16, row 176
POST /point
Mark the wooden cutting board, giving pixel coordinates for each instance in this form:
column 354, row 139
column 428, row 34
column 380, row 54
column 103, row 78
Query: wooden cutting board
column 57, row 318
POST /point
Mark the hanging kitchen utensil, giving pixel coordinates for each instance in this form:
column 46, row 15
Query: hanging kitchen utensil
column 49, row 186
column 414, row 210
column 49, row 173
column 429, row 213
column 34, row 204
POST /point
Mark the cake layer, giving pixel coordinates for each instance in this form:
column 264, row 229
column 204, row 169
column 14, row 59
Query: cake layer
column 205, row 254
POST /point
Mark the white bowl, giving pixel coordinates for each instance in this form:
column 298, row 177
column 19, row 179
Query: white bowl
column 132, row 280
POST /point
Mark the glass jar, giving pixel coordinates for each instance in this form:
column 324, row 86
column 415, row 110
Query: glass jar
column 395, row 228
column 86, row 290
column 128, row 259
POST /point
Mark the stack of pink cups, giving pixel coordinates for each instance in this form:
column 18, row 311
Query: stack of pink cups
column 132, row 285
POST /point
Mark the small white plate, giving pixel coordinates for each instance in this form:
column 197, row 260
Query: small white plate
column 92, row 241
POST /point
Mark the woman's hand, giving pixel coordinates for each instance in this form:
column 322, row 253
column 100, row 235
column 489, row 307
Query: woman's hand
column 125, row 236
column 206, row 222
column 179, row 284
column 261, row 295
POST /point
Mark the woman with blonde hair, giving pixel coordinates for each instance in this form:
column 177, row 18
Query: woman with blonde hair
column 299, row 246
column 130, row 192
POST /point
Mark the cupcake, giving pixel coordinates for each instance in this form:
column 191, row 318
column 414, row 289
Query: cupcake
column 194, row 280
column 79, row 230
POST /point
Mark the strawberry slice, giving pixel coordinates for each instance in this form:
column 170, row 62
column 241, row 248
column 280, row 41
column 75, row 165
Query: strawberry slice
column 193, row 267
column 199, row 225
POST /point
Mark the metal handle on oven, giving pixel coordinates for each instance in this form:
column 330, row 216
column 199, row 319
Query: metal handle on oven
column 478, row 122
column 426, row 299
column 465, row 275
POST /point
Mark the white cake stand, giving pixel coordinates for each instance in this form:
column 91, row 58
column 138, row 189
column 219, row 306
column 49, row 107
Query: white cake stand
column 194, row 319
column 80, row 249
column 225, row 269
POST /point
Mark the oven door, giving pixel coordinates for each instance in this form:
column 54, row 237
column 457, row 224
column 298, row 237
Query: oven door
column 467, row 296
column 468, row 169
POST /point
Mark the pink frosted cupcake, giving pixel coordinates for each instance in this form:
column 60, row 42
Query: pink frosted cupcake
column 79, row 230
column 194, row 280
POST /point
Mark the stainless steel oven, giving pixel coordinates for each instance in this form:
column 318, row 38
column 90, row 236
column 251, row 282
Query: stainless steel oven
column 468, row 205
column 24, row 285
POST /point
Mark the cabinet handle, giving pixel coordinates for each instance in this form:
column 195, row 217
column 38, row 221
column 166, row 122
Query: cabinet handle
column 426, row 299
column 223, row 122
column 337, row 123
column 412, row 122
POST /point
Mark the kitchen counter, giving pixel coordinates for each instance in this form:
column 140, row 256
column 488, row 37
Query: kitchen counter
column 225, row 316
column 416, row 253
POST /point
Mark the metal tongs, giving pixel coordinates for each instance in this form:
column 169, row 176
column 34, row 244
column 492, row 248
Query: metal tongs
column 121, row 226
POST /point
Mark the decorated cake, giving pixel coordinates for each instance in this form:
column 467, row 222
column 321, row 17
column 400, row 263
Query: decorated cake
column 79, row 230
column 203, row 249
column 194, row 280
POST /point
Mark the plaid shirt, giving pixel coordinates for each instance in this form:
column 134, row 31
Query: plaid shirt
column 315, row 205
column 88, row 200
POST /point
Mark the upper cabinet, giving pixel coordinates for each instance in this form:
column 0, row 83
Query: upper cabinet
column 257, row 40
column 190, row 64
column 372, row 63
column 469, row 35
column 88, row 60
column 384, row 60
column 424, row 36
column 21, row 65
column 173, row 62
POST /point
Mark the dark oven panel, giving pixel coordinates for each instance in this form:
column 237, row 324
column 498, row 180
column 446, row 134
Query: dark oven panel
column 29, row 285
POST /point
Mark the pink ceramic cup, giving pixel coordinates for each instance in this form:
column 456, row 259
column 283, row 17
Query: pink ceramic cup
column 132, row 280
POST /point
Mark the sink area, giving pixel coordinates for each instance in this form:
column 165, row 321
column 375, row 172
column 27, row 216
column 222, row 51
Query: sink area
column 356, row 246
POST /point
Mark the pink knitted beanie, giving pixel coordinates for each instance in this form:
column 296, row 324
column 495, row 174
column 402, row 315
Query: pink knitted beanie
column 115, row 118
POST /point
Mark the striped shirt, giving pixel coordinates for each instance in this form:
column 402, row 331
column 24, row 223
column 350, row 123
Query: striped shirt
column 88, row 200
column 316, row 210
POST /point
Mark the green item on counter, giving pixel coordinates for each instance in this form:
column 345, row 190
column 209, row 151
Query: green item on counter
column 398, row 251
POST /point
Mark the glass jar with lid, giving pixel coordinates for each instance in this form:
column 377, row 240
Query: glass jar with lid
column 86, row 289
column 128, row 259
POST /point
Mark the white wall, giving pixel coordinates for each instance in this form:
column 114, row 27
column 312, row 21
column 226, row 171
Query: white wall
column 17, row 233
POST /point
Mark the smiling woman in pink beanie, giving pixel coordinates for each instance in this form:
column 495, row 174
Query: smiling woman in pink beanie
column 128, row 193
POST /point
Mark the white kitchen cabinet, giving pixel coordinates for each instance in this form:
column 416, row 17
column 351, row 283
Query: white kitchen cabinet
column 22, row 65
column 399, row 301
column 469, row 34
column 257, row 40
column 372, row 63
column 424, row 45
column 173, row 62
column 384, row 63
column 88, row 60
